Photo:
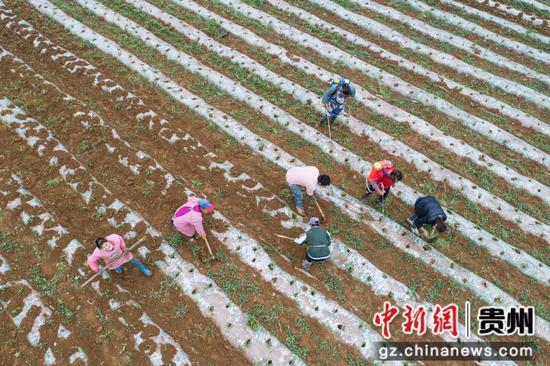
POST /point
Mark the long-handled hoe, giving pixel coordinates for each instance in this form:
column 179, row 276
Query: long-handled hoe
column 113, row 261
column 209, row 249
column 383, row 199
column 321, row 211
column 329, row 131
column 299, row 269
column 284, row 237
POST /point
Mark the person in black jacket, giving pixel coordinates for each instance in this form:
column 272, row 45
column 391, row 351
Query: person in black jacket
column 427, row 211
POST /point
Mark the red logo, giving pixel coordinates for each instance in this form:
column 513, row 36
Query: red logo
column 385, row 317
column 415, row 320
column 446, row 320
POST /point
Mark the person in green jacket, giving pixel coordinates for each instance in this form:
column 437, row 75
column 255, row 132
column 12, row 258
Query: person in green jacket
column 318, row 243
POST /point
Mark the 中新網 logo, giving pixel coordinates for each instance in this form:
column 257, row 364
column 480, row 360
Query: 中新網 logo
column 516, row 320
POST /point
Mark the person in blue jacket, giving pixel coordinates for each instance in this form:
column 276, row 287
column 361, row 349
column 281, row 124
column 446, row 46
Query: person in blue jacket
column 427, row 211
column 335, row 98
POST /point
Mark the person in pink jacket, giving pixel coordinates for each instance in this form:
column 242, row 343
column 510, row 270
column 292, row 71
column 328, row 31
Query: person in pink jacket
column 307, row 177
column 109, row 248
column 188, row 218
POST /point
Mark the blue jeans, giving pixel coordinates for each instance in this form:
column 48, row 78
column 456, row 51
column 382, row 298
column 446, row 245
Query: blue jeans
column 297, row 192
column 413, row 220
column 136, row 263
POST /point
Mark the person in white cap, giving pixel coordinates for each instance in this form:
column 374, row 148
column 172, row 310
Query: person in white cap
column 318, row 242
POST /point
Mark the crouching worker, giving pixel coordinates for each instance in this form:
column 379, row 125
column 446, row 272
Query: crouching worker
column 307, row 177
column 188, row 218
column 318, row 242
column 382, row 177
column 112, row 247
column 427, row 211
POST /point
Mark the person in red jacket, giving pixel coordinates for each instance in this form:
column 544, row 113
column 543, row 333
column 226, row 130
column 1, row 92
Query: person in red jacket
column 382, row 177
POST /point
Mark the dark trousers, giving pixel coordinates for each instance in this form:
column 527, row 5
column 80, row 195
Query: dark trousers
column 371, row 190
column 311, row 260
column 413, row 219
column 328, row 118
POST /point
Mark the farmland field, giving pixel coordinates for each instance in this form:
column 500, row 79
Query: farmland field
column 114, row 111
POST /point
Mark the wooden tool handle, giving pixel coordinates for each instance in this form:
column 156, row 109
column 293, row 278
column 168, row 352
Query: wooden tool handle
column 320, row 210
column 113, row 261
column 284, row 237
column 208, row 246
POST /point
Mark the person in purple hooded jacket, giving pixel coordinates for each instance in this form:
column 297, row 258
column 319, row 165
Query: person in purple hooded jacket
column 188, row 218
